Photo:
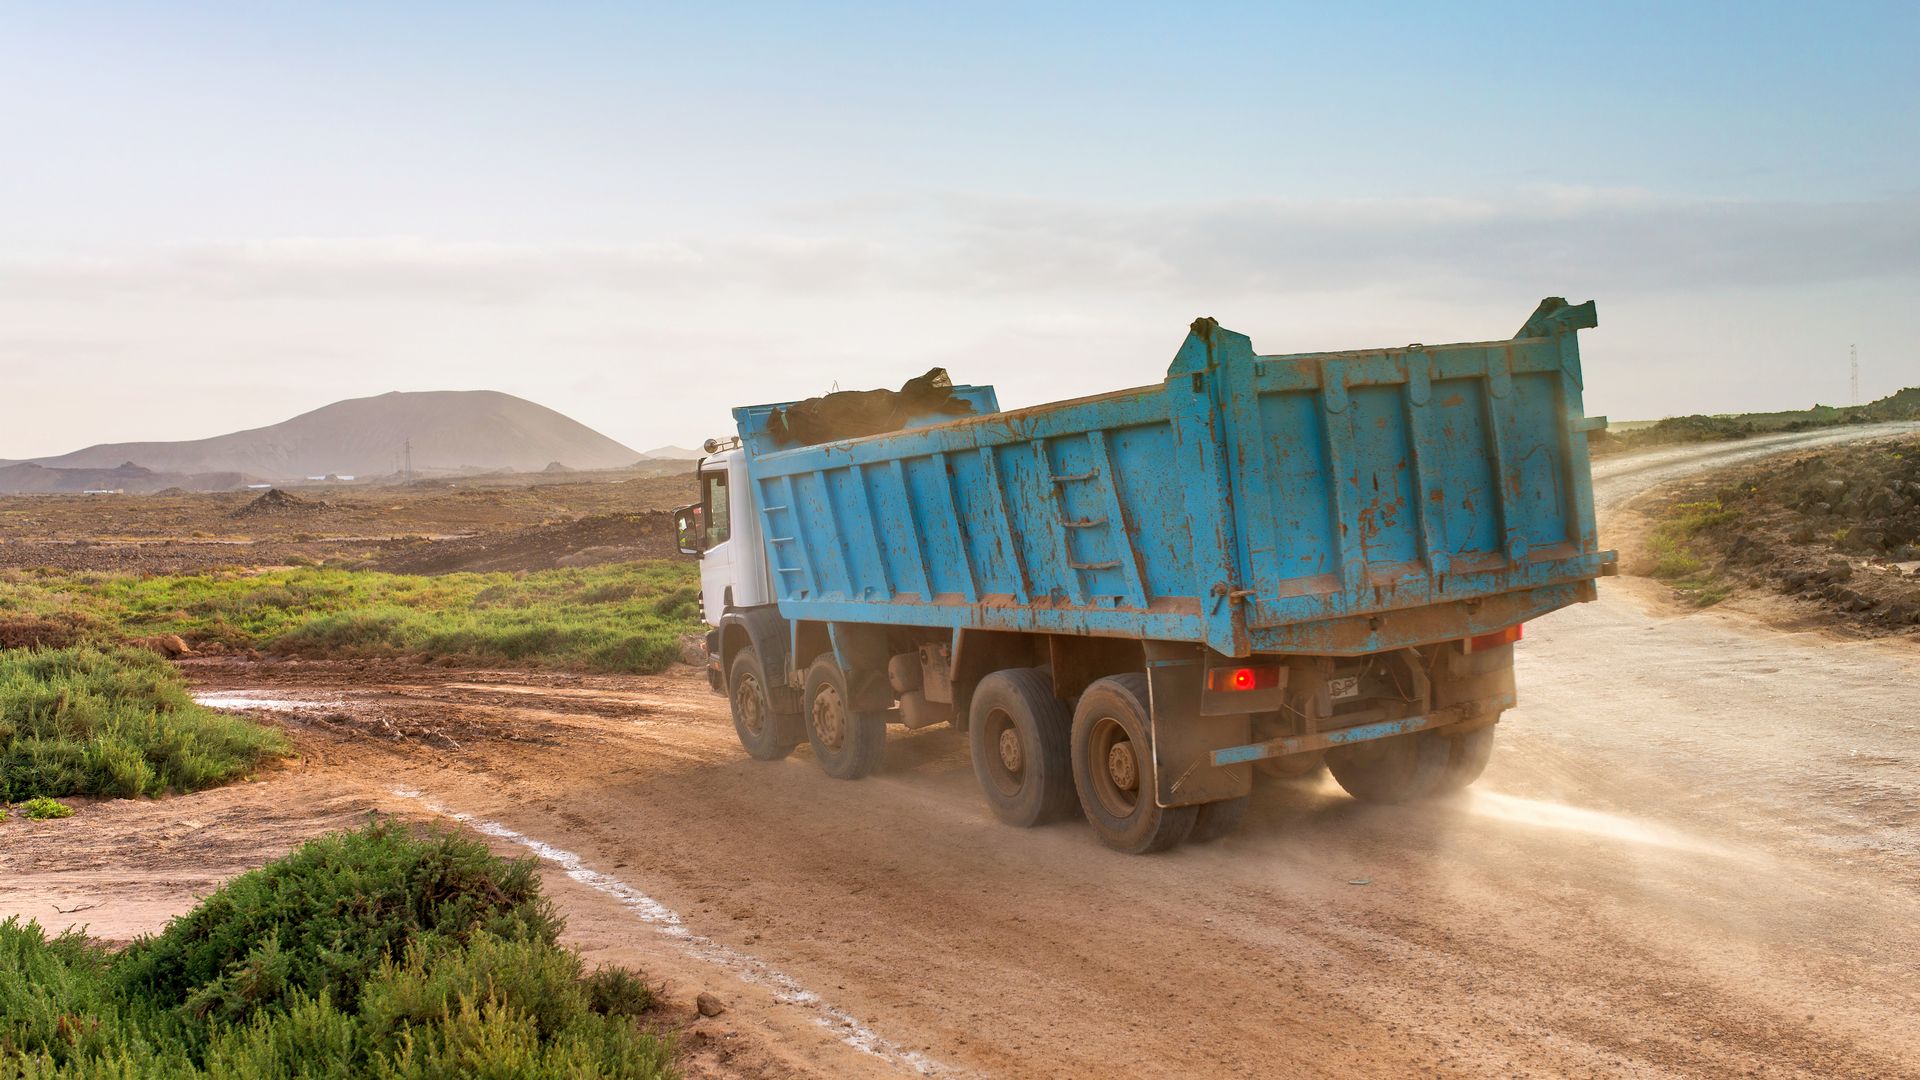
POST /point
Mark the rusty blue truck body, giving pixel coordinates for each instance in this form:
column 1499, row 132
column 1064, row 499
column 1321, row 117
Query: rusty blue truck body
column 1340, row 503
column 1280, row 559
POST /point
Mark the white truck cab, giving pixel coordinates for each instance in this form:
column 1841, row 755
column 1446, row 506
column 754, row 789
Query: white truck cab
column 724, row 531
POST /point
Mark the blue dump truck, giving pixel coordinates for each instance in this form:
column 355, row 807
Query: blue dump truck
column 1130, row 603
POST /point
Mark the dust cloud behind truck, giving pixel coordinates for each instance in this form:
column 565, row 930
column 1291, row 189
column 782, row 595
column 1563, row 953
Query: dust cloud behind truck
column 1130, row 602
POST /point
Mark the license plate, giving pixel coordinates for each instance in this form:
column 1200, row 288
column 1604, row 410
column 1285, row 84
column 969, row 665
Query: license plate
column 1344, row 688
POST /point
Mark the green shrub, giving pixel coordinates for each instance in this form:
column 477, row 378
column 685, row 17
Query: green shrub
column 1677, row 554
column 379, row 952
column 615, row 991
column 118, row 722
column 42, row 808
column 327, row 916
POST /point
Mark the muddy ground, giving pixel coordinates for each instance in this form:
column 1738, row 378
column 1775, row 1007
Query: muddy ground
column 431, row 528
column 1696, row 853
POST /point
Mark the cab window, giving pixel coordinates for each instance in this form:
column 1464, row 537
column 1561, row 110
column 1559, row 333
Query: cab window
column 713, row 508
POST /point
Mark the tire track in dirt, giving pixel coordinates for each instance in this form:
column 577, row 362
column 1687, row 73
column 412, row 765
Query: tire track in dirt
column 787, row 990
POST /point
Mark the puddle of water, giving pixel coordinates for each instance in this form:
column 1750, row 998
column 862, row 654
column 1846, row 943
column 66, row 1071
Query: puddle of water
column 752, row 969
column 244, row 700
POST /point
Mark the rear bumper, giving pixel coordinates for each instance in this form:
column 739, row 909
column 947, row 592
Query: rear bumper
column 1464, row 716
column 1451, row 620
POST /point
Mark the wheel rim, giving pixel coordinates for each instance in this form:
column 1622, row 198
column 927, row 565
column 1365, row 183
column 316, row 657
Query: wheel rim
column 829, row 717
column 1006, row 757
column 748, row 705
column 1114, row 767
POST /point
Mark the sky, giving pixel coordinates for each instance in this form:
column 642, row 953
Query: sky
column 216, row 216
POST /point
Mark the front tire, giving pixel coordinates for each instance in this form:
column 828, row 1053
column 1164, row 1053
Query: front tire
column 1021, row 740
column 847, row 743
column 767, row 735
column 1113, row 769
column 1400, row 769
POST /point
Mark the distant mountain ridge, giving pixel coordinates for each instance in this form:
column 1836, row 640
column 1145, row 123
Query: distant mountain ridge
column 449, row 430
column 27, row 478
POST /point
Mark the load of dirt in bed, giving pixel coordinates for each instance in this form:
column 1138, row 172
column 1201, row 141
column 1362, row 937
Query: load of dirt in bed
column 589, row 541
column 855, row 414
column 276, row 503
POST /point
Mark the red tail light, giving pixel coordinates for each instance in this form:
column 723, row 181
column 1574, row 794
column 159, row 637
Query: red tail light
column 1494, row 640
column 1243, row 678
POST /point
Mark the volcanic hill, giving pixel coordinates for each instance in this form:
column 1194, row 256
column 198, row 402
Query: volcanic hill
column 449, row 430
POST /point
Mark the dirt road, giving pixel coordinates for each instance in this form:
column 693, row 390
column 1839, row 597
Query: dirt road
column 1697, row 852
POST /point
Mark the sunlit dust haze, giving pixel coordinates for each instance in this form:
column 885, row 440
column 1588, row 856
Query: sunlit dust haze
column 215, row 217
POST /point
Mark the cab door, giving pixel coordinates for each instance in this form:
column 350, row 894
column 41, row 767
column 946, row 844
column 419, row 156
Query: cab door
column 717, row 544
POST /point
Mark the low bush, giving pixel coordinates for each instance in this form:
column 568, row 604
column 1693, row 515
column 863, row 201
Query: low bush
column 41, row 808
column 1683, row 562
column 118, row 722
column 381, row 952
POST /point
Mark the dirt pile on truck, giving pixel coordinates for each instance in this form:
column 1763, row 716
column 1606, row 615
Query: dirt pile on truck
column 855, row 414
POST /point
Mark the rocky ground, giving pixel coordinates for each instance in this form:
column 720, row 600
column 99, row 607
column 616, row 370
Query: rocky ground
column 1837, row 529
column 430, row 528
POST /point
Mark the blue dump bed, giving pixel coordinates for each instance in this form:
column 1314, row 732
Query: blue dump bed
column 1347, row 502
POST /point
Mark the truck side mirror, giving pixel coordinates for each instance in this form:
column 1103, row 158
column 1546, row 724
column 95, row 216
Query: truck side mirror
column 686, row 529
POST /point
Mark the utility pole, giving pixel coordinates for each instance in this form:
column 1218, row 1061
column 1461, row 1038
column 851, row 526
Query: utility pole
column 410, row 460
column 1853, row 364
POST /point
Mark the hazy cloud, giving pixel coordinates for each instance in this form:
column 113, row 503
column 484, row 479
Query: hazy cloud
column 1706, row 305
column 1618, row 240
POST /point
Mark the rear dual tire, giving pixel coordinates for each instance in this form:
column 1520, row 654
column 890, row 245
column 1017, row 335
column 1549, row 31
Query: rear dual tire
column 1407, row 768
column 1112, row 757
column 1020, row 737
column 1467, row 757
column 848, row 743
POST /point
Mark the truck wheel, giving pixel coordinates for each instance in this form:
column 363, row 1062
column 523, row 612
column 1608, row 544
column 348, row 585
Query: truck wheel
column 1022, row 740
column 1467, row 757
column 1218, row 819
column 1396, row 770
column 767, row 735
column 848, row 743
column 1113, row 769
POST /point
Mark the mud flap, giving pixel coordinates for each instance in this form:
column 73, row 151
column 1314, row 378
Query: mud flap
column 1184, row 740
column 861, row 651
